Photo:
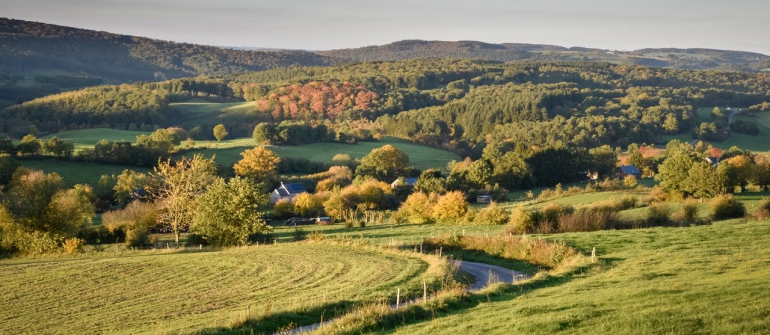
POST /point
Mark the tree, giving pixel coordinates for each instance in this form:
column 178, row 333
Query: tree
column 29, row 145
column 479, row 173
column 264, row 133
column 8, row 166
column 430, row 181
column 744, row 167
column 451, row 206
column 673, row 172
column 603, row 160
column 135, row 220
column 307, row 205
column 259, row 163
column 385, row 164
column 220, row 132
column 175, row 186
column 227, row 212
column 6, row 146
column 703, row 181
column 129, row 186
column 56, row 147
column 762, row 172
column 416, row 209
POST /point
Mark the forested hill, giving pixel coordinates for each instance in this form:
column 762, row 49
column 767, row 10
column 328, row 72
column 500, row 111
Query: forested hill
column 452, row 103
column 30, row 47
column 410, row 49
column 693, row 59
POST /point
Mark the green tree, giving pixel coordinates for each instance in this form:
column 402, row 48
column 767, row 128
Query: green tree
column 220, row 132
column 480, row 173
column 29, row 145
column 175, row 185
column 7, row 147
column 260, row 164
column 673, row 172
column 135, row 220
column 385, row 164
column 264, row 133
column 703, row 181
column 8, row 166
column 603, row 160
column 430, row 181
column 227, row 212
column 129, row 186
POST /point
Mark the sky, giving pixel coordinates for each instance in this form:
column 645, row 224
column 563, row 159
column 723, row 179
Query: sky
column 334, row 24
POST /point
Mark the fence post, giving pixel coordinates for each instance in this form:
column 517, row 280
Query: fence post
column 439, row 251
column 593, row 254
column 420, row 247
column 398, row 298
column 424, row 291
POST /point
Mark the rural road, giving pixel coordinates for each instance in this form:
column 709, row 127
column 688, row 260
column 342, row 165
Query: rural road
column 481, row 271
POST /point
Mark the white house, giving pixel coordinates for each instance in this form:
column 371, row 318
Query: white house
column 287, row 191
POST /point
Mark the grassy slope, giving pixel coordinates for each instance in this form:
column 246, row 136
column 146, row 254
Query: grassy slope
column 201, row 112
column 84, row 137
column 422, row 157
column 706, row 279
column 759, row 143
column 187, row 292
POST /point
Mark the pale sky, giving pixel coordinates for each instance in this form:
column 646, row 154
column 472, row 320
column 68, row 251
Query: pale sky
column 332, row 24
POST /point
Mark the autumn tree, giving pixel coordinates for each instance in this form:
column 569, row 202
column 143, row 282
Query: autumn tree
column 259, row 163
column 135, row 220
column 744, row 167
column 220, row 132
column 29, row 145
column 175, row 185
column 451, row 206
column 386, row 164
column 416, row 209
column 227, row 213
column 129, row 186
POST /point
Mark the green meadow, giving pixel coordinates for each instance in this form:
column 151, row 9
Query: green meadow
column 78, row 172
column 202, row 112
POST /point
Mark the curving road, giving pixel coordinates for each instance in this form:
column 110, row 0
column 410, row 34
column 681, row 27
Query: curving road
column 485, row 274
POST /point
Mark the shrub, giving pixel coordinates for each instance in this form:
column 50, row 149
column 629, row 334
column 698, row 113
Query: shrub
column 628, row 202
column 658, row 194
column 630, row 181
column 658, row 214
column 451, row 206
column 587, row 220
column 415, row 209
column 609, row 185
column 606, row 206
column 521, row 221
column 73, row 245
column 726, row 207
column 492, row 215
column 690, row 211
column 763, row 211
column 283, row 209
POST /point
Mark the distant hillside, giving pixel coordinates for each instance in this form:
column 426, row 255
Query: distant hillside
column 61, row 56
column 410, row 49
column 691, row 59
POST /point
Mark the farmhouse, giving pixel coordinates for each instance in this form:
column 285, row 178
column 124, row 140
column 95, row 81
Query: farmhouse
column 287, row 191
column 629, row 170
column 714, row 161
column 403, row 181
column 483, row 199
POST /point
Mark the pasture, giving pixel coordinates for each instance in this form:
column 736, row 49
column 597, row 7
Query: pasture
column 422, row 157
column 758, row 143
column 84, row 138
column 202, row 112
column 78, row 172
column 705, row 279
column 188, row 292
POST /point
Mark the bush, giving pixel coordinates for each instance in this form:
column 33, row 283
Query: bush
column 521, row 221
column 587, row 220
column 726, row 207
column 763, row 211
column 451, row 206
column 658, row 214
column 628, row 202
column 283, row 209
column 73, row 245
column 690, row 211
column 630, row 181
column 492, row 215
column 657, row 194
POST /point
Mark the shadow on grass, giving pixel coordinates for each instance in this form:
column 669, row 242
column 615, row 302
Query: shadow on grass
column 276, row 322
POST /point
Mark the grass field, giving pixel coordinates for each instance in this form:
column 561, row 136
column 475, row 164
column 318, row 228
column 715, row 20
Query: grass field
column 201, row 112
column 79, row 172
column 706, row 279
column 422, row 157
column 89, row 137
column 157, row 293
column 759, row 143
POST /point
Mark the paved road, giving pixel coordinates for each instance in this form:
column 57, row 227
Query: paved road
column 481, row 271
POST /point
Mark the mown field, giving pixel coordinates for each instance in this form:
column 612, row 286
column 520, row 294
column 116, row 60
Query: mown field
column 695, row 280
column 89, row 137
column 188, row 292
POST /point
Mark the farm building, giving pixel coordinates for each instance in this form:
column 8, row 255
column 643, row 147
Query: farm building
column 483, row 199
column 713, row 160
column 287, row 191
column 629, row 170
column 408, row 181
